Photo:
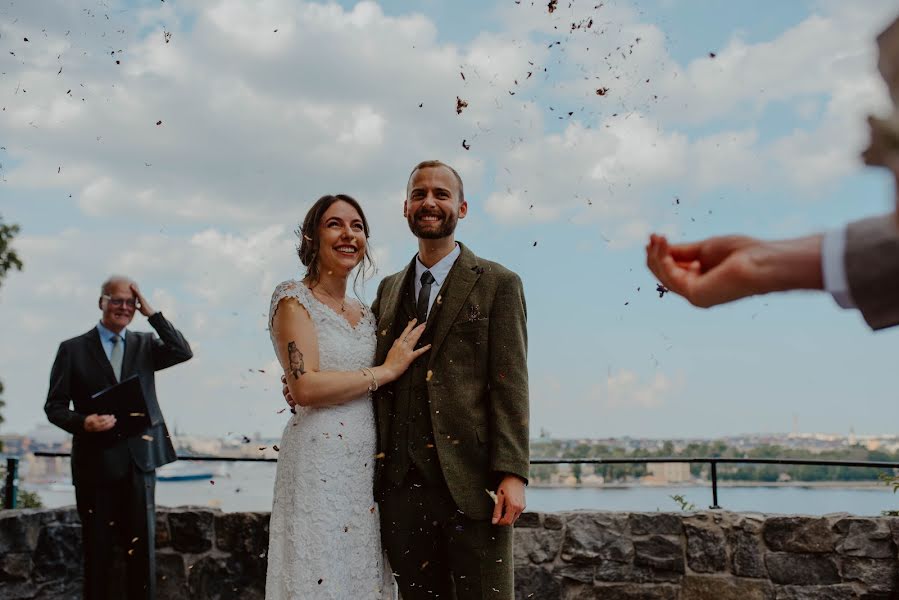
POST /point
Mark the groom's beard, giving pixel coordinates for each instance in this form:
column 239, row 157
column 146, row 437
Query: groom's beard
column 424, row 230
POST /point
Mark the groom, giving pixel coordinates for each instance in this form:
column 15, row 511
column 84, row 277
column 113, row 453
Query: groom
column 453, row 430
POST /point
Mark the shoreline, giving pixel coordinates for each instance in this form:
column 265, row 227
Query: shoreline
column 860, row 485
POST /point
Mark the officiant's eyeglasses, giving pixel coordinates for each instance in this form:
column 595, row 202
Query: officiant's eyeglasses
column 118, row 302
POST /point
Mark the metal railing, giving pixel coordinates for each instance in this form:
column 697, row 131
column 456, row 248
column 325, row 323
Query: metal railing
column 9, row 497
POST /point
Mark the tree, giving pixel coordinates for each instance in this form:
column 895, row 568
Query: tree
column 8, row 257
column 8, row 260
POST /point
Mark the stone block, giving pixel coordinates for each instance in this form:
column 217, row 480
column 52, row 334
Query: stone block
column 660, row 553
column 575, row 572
column 706, row 547
column 163, row 535
column 224, row 578
column 868, row 538
column 528, row 520
column 619, row 572
column 19, row 530
column 535, row 583
column 592, row 537
column 747, row 553
column 816, row 592
column 655, row 523
column 878, row 575
column 171, row 576
column 718, row 587
column 801, row 569
column 242, row 533
column 191, row 529
column 798, row 534
column 15, row 566
column 633, row 591
column 552, row 521
column 58, row 553
column 536, row 545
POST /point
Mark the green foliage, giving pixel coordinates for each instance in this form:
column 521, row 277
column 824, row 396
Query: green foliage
column 683, row 502
column 27, row 499
column 8, row 260
column 8, row 257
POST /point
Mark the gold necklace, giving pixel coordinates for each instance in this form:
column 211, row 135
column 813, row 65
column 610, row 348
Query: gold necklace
column 342, row 302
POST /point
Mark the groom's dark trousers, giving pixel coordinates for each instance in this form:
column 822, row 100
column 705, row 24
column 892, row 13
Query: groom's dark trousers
column 115, row 482
column 450, row 428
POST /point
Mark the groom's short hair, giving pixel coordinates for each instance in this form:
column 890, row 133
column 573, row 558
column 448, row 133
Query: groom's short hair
column 430, row 164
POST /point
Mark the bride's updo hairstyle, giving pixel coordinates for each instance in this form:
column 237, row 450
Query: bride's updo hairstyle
column 309, row 236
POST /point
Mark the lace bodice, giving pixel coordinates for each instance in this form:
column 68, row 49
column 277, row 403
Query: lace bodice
column 324, row 517
column 334, row 332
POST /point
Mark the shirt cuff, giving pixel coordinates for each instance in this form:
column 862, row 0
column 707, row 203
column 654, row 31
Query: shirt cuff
column 833, row 265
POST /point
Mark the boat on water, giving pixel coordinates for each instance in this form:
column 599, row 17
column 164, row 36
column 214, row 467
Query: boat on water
column 189, row 471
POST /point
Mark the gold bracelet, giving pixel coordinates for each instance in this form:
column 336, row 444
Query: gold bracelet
column 374, row 380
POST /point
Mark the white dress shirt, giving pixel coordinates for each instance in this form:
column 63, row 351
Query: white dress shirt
column 833, row 266
column 439, row 271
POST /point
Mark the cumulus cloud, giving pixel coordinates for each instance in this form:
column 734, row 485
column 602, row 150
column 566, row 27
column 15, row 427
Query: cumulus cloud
column 625, row 389
column 188, row 163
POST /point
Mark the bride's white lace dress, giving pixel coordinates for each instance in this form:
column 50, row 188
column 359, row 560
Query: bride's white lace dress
column 324, row 536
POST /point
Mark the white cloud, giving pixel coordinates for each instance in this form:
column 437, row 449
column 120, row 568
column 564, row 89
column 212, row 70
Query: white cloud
column 624, row 389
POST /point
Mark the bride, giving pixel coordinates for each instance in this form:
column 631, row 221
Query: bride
column 324, row 539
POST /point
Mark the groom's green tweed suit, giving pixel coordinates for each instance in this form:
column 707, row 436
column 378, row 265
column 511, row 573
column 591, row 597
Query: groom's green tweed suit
column 457, row 420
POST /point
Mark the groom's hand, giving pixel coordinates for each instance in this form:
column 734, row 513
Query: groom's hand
column 509, row 501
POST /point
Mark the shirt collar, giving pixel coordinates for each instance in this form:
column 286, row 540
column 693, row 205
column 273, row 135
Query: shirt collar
column 441, row 269
column 106, row 335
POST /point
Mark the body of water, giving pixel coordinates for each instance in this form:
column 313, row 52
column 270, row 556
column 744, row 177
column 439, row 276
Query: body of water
column 248, row 487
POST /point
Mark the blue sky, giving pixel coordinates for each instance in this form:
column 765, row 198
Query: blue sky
column 256, row 123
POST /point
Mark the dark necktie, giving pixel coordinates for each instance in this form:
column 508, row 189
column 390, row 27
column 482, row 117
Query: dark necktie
column 424, row 296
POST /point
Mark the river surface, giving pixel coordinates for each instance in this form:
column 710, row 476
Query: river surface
column 248, row 487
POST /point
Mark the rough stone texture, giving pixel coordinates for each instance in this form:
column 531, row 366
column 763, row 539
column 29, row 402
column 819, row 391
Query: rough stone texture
column 592, row 537
column 798, row 534
column 659, row 553
column 191, row 529
column 715, row 587
column 659, row 523
column 816, row 592
column 864, row 537
column 801, row 569
column 706, row 548
column 536, row 545
column 206, row 554
column 747, row 554
column 171, row 576
column 878, row 575
column 528, row 520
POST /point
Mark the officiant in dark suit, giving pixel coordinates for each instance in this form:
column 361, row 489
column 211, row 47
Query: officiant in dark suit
column 114, row 476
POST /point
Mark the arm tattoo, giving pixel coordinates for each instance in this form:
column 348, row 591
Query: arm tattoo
column 295, row 357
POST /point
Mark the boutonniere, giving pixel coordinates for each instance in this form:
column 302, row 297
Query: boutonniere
column 474, row 312
column 478, row 270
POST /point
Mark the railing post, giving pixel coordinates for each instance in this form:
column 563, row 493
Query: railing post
column 714, row 465
column 12, row 483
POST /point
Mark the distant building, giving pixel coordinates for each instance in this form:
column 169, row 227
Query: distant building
column 662, row 473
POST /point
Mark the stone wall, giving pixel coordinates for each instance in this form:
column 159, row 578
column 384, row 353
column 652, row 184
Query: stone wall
column 712, row 555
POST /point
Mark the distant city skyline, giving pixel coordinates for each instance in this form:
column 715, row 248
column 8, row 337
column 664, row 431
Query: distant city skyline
column 181, row 143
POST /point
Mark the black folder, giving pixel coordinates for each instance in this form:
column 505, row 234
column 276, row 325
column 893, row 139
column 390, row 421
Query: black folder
column 126, row 401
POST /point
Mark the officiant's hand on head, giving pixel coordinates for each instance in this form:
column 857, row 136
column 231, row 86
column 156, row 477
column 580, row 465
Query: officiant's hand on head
column 142, row 305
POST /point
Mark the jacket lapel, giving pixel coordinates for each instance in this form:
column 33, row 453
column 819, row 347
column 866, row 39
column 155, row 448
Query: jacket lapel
column 130, row 354
column 464, row 274
column 95, row 348
column 392, row 309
